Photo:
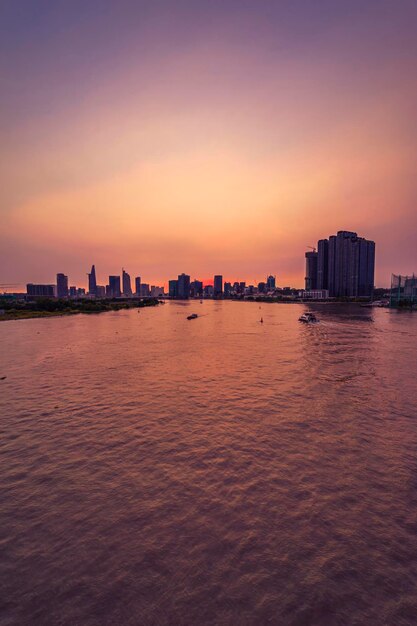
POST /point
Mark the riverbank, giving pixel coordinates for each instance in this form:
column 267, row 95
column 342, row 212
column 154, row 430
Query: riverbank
column 48, row 307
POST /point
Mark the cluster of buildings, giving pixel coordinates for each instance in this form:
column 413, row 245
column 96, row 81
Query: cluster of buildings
column 121, row 286
column 183, row 288
column 342, row 266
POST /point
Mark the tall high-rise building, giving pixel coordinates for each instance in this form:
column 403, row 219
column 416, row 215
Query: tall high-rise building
column 270, row 283
column 126, row 284
column 323, row 264
column 311, row 271
column 183, row 286
column 196, row 289
column 227, row 289
column 218, row 286
column 137, row 285
column 345, row 265
column 114, row 290
column 92, row 282
column 61, row 286
column 173, row 288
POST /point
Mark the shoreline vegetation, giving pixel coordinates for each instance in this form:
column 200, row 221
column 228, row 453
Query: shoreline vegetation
column 51, row 307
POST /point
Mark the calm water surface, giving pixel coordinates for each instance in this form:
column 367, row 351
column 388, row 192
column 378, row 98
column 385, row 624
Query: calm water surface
column 158, row 471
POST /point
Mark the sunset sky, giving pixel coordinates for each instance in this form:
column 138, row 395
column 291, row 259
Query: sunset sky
column 216, row 136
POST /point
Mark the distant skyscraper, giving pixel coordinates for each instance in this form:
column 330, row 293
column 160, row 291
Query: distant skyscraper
column 227, row 289
column 173, row 288
column 270, row 283
column 323, row 264
column 345, row 265
column 218, row 286
column 92, row 282
column 261, row 287
column 145, row 290
column 311, row 271
column 126, row 284
column 137, row 285
column 100, row 291
column 183, row 286
column 61, row 286
column 73, row 292
column 114, row 290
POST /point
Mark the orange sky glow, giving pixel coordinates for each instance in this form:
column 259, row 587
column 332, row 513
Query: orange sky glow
column 208, row 141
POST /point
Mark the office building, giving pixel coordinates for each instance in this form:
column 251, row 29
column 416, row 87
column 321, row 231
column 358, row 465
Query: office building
column 261, row 287
column 183, row 286
column 126, row 284
column 323, row 264
column 73, row 292
column 92, row 283
column 61, row 286
column 145, row 290
column 196, row 289
column 157, row 292
column 311, row 271
column 173, row 288
column 113, row 288
column 100, row 291
column 218, row 286
column 227, row 290
column 45, row 291
column 208, row 291
column 270, row 283
column 137, row 285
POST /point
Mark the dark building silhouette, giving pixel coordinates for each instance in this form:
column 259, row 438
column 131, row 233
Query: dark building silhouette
column 73, row 292
column 137, row 285
column 218, row 286
column 311, row 270
column 113, row 288
column 92, row 282
column 183, row 286
column 46, row 291
column 270, row 283
column 323, row 264
column 345, row 265
column 227, row 289
column 145, row 290
column 61, row 286
column 261, row 287
column 173, row 288
column 196, row 289
column 126, row 284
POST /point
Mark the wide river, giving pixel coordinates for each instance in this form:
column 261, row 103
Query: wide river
column 220, row 471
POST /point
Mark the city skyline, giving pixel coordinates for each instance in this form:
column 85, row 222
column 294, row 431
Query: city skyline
column 220, row 135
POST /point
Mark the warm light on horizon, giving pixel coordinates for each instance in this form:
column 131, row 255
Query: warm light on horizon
column 203, row 149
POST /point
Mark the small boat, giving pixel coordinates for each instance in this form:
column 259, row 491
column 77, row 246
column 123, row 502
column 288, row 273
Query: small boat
column 201, row 302
column 193, row 316
column 262, row 320
column 308, row 318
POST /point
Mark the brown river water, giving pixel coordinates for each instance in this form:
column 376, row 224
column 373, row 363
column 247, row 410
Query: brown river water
column 158, row 471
